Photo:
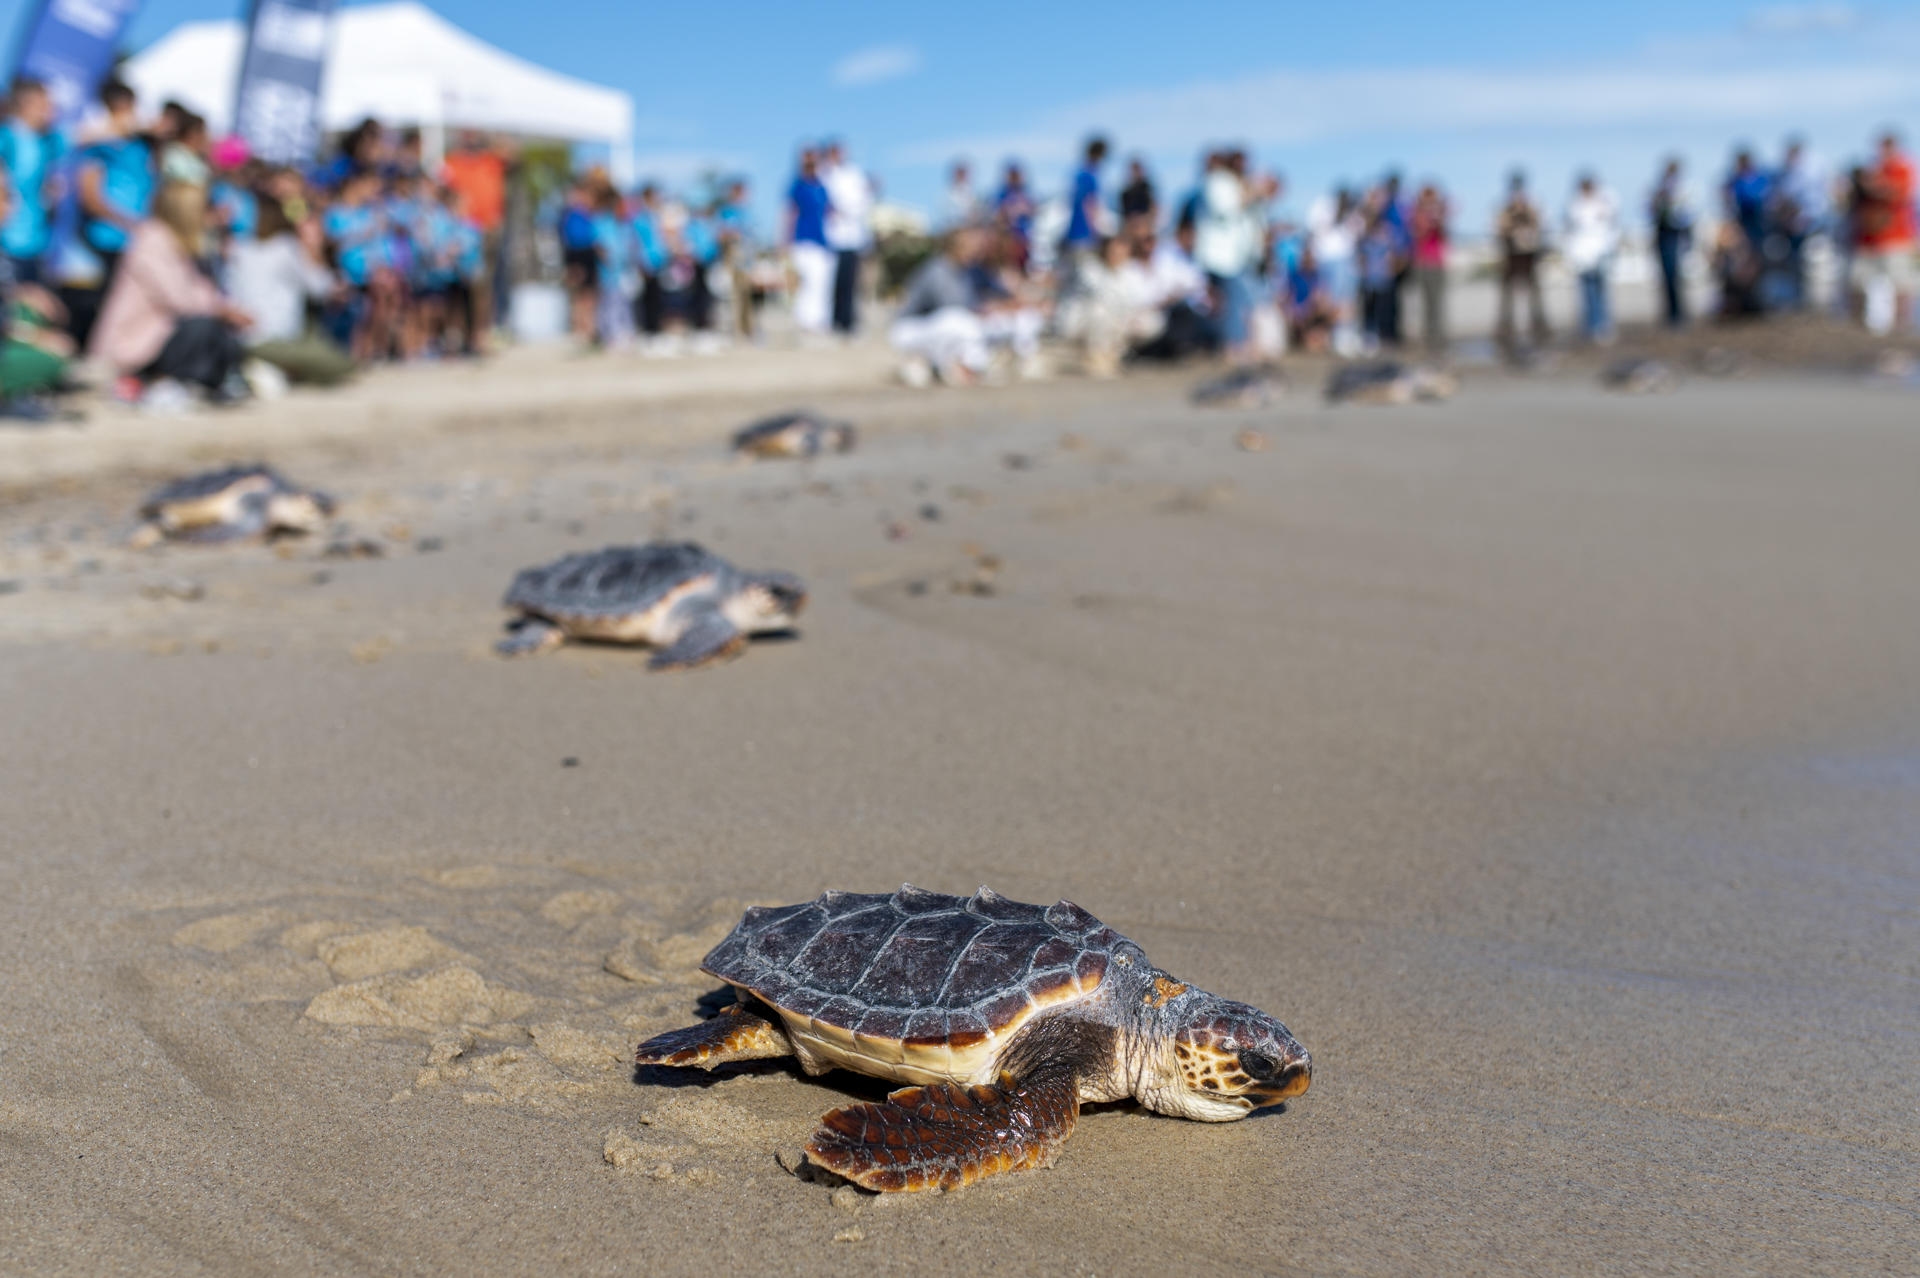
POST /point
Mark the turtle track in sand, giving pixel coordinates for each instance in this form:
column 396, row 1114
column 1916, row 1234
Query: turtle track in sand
column 519, row 988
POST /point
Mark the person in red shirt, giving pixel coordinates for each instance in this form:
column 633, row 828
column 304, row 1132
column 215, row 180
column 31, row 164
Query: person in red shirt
column 477, row 174
column 1430, row 264
column 1884, row 227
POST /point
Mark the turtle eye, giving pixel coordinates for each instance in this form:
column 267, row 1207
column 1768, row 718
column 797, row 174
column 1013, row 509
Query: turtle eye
column 1257, row 1066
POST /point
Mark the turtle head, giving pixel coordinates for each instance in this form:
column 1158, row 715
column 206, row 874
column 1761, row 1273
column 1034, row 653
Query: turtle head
column 298, row 512
column 771, row 601
column 1226, row 1060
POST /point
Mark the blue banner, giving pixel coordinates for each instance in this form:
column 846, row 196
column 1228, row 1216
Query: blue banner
column 277, row 105
column 69, row 45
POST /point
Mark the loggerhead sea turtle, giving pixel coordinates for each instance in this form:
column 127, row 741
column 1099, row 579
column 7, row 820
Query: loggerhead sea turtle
column 1002, row 1016
column 1638, row 375
column 794, row 435
column 228, row 505
column 1249, row 386
column 1388, row 382
column 691, row 605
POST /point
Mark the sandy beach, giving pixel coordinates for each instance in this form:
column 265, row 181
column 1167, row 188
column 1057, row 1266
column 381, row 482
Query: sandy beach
column 1548, row 760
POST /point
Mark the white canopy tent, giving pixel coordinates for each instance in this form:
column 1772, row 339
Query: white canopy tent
column 404, row 65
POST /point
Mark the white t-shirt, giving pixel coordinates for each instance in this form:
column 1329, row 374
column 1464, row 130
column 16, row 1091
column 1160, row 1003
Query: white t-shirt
column 1593, row 231
column 1333, row 238
column 850, row 207
column 1223, row 242
column 271, row 280
column 1174, row 277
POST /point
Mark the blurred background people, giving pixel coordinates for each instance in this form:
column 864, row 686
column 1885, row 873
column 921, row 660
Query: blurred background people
column 960, row 205
column 1671, row 217
column 812, row 260
column 1522, row 236
column 1592, row 236
column 1884, row 235
column 273, row 275
column 30, row 151
column 162, row 317
column 849, row 229
column 1429, row 230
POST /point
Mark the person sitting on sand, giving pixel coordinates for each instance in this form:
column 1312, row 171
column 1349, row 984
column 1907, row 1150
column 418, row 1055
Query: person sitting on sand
column 1114, row 309
column 953, row 313
column 33, row 349
column 273, row 274
column 1311, row 310
column 162, row 317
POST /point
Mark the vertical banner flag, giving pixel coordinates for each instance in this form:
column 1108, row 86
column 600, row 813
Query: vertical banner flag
column 69, row 46
column 277, row 105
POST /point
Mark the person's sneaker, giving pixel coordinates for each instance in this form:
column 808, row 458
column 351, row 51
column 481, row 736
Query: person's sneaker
column 265, row 380
column 916, row 373
column 166, row 398
column 232, row 391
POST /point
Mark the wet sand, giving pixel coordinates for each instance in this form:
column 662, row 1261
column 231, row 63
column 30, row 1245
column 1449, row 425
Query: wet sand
column 1548, row 760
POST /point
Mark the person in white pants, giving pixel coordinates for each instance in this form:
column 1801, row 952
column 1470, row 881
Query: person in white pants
column 942, row 325
column 813, row 262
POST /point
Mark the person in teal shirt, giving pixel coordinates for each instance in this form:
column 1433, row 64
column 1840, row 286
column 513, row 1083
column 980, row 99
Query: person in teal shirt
column 117, row 181
column 30, row 150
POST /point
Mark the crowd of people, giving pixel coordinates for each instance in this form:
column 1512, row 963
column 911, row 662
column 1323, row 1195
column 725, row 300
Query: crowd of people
column 185, row 267
column 188, row 269
column 1225, row 269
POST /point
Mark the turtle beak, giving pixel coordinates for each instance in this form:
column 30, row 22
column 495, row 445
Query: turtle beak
column 1291, row 1079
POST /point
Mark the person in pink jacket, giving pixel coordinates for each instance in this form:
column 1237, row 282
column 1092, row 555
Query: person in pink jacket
column 163, row 318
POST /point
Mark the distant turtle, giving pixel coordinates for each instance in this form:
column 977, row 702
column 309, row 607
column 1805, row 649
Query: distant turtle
column 1250, row 386
column 1638, row 375
column 230, row 505
column 794, row 435
column 1388, row 381
column 1002, row 1017
column 691, row 605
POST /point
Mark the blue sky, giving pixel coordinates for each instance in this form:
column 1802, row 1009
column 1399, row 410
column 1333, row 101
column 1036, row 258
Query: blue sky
column 1320, row 92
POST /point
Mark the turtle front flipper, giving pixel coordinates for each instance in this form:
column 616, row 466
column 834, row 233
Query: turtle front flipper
column 529, row 635
column 709, row 637
column 735, row 1035
column 943, row 1136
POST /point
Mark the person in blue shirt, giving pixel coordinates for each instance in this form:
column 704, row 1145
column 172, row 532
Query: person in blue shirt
column 615, row 248
column 581, row 265
column 1746, row 195
column 117, row 181
column 1013, row 206
column 459, row 253
column 1083, row 218
column 356, row 230
column 650, row 248
column 813, row 262
column 1797, row 206
column 1379, row 258
column 30, row 150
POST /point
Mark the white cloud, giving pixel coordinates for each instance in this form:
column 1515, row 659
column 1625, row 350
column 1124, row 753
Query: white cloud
column 873, row 65
column 1806, row 19
column 1295, row 107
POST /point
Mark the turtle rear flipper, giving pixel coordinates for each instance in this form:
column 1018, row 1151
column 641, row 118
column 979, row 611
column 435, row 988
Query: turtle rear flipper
column 734, row 1035
column 709, row 637
column 943, row 1136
